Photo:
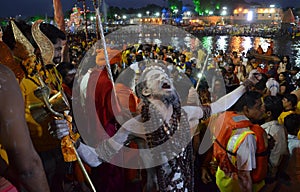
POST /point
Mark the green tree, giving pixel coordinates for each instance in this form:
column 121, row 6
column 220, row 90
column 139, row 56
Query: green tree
column 203, row 6
column 216, row 5
column 175, row 4
column 112, row 11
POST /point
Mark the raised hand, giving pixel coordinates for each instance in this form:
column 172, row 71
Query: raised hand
column 254, row 76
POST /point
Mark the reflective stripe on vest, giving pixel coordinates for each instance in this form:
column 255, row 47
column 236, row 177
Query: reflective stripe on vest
column 224, row 126
column 237, row 143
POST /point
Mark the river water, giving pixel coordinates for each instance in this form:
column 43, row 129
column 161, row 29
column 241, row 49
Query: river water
column 177, row 37
column 282, row 46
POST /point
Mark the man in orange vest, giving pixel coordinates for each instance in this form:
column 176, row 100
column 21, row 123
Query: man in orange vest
column 240, row 148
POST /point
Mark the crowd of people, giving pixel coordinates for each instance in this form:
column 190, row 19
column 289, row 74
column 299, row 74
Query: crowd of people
column 256, row 30
column 243, row 107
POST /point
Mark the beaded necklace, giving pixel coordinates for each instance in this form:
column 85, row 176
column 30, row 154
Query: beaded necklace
column 181, row 164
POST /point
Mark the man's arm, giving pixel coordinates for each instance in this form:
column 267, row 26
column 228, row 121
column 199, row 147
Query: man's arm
column 229, row 99
column 225, row 102
column 195, row 113
column 130, row 129
column 14, row 135
column 106, row 148
column 246, row 161
column 245, row 180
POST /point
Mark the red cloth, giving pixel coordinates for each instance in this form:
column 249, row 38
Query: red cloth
column 260, row 50
column 126, row 97
column 67, row 90
column 68, row 93
column 101, row 95
column 6, row 186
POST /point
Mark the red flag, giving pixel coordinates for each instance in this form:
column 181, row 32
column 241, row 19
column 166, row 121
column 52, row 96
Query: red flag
column 59, row 15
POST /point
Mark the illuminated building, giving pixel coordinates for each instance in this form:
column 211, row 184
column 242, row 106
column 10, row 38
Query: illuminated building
column 269, row 15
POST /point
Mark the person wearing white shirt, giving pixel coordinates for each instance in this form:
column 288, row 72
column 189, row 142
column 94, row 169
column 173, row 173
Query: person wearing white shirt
column 273, row 108
column 272, row 86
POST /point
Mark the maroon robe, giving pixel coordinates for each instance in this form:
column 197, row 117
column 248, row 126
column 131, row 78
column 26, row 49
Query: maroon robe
column 103, row 96
column 106, row 177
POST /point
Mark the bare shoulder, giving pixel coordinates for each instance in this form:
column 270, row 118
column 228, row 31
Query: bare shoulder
column 7, row 78
column 9, row 87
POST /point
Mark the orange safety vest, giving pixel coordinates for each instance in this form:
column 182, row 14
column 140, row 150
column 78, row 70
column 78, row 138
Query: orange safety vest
column 225, row 125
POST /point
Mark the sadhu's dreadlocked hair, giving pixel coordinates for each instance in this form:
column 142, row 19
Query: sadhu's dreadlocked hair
column 178, row 130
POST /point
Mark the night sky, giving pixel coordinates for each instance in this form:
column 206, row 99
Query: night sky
column 11, row 8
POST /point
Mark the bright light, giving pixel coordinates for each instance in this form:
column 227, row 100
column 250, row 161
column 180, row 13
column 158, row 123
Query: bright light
column 148, row 12
column 247, row 43
column 173, row 7
column 199, row 75
column 250, row 16
column 157, row 14
column 92, row 18
column 224, row 12
column 224, row 8
column 116, row 15
column 272, row 6
column 245, row 11
column 222, row 42
column 189, row 13
column 175, row 11
column 124, row 17
column 139, row 15
column 210, row 12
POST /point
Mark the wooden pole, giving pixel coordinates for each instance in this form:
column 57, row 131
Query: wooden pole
column 97, row 19
column 85, row 20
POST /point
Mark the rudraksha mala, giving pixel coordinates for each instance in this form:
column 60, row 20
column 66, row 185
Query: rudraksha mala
column 181, row 164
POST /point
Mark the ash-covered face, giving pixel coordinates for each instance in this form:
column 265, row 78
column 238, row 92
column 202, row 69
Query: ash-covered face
column 161, row 86
column 158, row 81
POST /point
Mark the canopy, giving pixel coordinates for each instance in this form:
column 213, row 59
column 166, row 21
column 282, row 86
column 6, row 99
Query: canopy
column 288, row 16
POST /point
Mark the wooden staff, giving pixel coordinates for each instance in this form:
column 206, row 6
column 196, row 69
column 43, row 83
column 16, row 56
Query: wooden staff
column 60, row 21
column 104, row 44
column 44, row 95
column 59, row 15
column 85, row 19
column 97, row 22
column 201, row 72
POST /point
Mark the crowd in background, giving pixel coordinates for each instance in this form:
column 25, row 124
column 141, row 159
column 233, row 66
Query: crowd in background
column 224, row 73
column 278, row 88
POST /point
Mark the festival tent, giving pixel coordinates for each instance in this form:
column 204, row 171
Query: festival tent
column 288, row 20
column 288, row 16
